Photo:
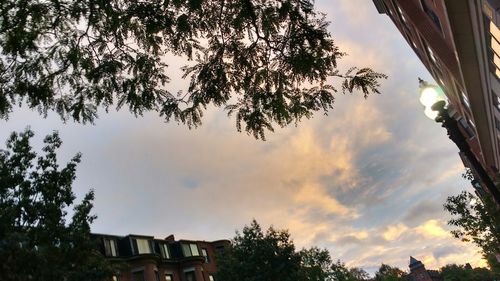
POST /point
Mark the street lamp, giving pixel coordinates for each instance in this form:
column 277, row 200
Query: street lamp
column 429, row 95
column 436, row 108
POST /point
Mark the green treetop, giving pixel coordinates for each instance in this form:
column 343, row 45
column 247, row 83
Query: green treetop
column 256, row 255
column 265, row 61
column 389, row 273
column 36, row 240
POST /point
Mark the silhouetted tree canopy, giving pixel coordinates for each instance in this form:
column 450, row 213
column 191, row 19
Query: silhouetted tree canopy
column 315, row 264
column 340, row 272
column 477, row 221
column 265, row 61
column 256, row 255
column 453, row 272
column 36, row 240
column 389, row 273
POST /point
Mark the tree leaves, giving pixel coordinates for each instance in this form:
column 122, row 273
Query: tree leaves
column 36, row 241
column 257, row 255
column 389, row 273
column 452, row 272
column 265, row 61
column 477, row 220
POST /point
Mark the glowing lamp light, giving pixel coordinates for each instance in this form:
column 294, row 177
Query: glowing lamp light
column 430, row 113
column 429, row 95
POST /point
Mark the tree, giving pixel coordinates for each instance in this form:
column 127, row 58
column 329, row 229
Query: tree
column 316, row 264
column 477, row 220
column 341, row 273
column 265, row 61
column 358, row 274
column 453, row 272
column 389, row 273
column 256, row 255
column 36, row 241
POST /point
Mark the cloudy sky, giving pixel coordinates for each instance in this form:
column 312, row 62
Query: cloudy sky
column 366, row 182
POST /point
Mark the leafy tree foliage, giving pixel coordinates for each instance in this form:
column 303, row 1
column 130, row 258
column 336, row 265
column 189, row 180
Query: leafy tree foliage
column 260, row 256
column 453, row 272
column 389, row 273
column 265, row 61
column 341, row 273
column 477, row 221
column 358, row 274
column 256, row 255
column 36, row 241
column 315, row 264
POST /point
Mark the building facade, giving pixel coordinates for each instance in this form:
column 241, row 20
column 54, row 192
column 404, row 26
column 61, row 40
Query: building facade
column 145, row 258
column 419, row 273
column 458, row 41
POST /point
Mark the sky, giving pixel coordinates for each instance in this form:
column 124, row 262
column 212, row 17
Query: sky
column 367, row 182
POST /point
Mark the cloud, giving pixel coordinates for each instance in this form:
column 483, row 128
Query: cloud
column 444, row 251
column 432, row 229
column 394, row 231
column 315, row 196
column 422, row 211
column 357, row 182
column 359, row 15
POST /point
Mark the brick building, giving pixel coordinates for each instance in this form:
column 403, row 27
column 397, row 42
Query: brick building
column 458, row 41
column 419, row 273
column 145, row 258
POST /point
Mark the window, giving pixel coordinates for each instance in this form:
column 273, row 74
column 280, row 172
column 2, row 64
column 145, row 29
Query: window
column 220, row 250
column 479, row 189
column 431, row 55
column 164, row 251
column 487, row 10
column 495, row 48
column 443, row 85
column 494, row 31
column 110, row 247
column 496, row 100
column 138, row 275
column 463, row 123
column 496, row 60
column 432, row 15
column 205, row 254
column 190, row 276
column 402, row 18
column 465, row 100
column 413, row 44
column 194, row 249
column 169, row 277
column 143, row 246
column 472, row 123
column 211, row 278
column 401, row 15
column 190, row 250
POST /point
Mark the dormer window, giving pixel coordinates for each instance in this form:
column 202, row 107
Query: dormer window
column 190, row 250
column 164, row 251
column 110, row 247
column 143, row 246
column 205, row 254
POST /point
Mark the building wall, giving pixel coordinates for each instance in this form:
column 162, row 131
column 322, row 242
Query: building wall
column 453, row 40
column 419, row 273
column 144, row 258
